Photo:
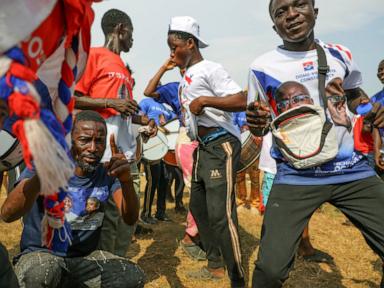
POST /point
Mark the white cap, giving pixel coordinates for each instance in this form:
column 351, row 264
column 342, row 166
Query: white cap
column 189, row 25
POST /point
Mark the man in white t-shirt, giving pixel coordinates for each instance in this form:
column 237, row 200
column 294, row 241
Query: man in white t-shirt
column 347, row 181
column 208, row 96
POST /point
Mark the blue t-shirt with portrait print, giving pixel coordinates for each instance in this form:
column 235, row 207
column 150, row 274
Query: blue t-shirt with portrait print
column 153, row 110
column 84, row 211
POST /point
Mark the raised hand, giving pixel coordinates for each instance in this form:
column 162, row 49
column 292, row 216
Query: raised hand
column 169, row 64
column 196, row 106
column 118, row 166
column 258, row 118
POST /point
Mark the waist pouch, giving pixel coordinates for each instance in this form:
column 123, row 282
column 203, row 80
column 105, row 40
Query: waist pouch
column 305, row 137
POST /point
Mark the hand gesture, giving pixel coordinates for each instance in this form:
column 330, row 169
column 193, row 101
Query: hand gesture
column 153, row 128
column 118, row 166
column 125, row 106
column 169, row 64
column 258, row 118
column 196, row 106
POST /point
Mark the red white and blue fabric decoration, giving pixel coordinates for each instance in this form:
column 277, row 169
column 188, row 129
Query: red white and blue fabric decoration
column 42, row 122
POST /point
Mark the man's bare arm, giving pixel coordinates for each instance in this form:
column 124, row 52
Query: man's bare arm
column 20, row 200
column 124, row 106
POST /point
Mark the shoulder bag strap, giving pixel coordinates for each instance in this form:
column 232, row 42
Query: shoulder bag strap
column 323, row 69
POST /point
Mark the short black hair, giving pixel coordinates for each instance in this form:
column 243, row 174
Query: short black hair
column 271, row 2
column 184, row 36
column 88, row 115
column 381, row 62
column 113, row 17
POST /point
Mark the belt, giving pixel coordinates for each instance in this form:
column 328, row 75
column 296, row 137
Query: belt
column 212, row 135
column 203, row 131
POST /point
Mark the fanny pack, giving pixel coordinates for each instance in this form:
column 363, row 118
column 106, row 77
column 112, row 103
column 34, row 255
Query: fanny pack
column 304, row 134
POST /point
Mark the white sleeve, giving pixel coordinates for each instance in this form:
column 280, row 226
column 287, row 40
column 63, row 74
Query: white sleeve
column 354, row 78
column 222, row 84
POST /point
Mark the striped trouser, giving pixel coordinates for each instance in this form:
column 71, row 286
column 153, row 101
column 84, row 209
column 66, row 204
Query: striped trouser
column 213, row 203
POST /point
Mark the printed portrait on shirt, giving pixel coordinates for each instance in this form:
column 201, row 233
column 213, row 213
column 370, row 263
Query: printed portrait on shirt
column 337, row 104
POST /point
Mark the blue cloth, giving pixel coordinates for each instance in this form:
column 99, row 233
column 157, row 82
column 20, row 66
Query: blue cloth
column 214, row 135
column 85, row 225
column 168, row 94
column 379, row 97
column 266, row 186
column 239, row 119
column 153, row 110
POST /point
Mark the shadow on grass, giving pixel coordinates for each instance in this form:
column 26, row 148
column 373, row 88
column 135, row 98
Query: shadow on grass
column 159, row 258
column 249, row 244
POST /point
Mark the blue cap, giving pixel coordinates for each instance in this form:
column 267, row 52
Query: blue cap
column 364, row 109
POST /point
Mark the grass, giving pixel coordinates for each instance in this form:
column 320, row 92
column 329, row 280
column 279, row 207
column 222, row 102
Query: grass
column 354, row 265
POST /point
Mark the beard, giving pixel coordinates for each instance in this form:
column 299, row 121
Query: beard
column 88, row 168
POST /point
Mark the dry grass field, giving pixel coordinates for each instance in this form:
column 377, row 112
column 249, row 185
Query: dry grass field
column 355, row 265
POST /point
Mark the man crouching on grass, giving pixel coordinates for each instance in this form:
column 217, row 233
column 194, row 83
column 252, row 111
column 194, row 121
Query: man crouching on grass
column 82, row 264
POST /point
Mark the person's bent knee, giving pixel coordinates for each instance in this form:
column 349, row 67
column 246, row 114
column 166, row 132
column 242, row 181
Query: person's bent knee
column 38, row 270
column 134, row 277
column 268, row 277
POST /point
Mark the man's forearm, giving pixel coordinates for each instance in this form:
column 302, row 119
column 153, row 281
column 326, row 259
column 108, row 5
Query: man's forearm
column 20, row 200
column 88, row 103
column 129, row 203
column 377, row 142
column 150, row 90
column 231, row 103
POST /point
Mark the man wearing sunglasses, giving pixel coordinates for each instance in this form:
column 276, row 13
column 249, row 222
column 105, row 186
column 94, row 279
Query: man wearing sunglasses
column 347, row 181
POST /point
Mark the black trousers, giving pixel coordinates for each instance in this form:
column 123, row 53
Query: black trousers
column 175, row 173
column 156, row 181
column 213, row 203
column 289, row 209
column 7, row 275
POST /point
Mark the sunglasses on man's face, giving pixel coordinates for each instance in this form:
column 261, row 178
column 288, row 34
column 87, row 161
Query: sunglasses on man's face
column 336, row 98
column 285, row 103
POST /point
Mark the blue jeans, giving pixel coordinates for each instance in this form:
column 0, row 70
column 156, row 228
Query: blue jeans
column 99, row 269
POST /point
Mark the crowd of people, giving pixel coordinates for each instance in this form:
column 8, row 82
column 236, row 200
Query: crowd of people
column 214, row 117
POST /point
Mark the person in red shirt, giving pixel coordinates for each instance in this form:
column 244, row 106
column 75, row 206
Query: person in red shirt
column 106, row 86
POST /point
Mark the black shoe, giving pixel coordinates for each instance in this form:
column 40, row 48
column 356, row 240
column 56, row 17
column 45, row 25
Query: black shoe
column 180, row 210
column 163, row 217
column 148, row 220
column 141, row 230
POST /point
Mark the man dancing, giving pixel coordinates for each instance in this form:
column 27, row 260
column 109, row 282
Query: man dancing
column 347, row 181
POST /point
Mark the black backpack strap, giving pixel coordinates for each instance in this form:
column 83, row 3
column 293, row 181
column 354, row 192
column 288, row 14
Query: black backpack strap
column 323, row 69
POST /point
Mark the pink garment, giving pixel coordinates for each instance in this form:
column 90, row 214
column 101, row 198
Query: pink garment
column 191, row 229
column 184, row 157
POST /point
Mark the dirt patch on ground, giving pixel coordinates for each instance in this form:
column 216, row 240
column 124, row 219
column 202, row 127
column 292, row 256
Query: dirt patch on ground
column 354, row 265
